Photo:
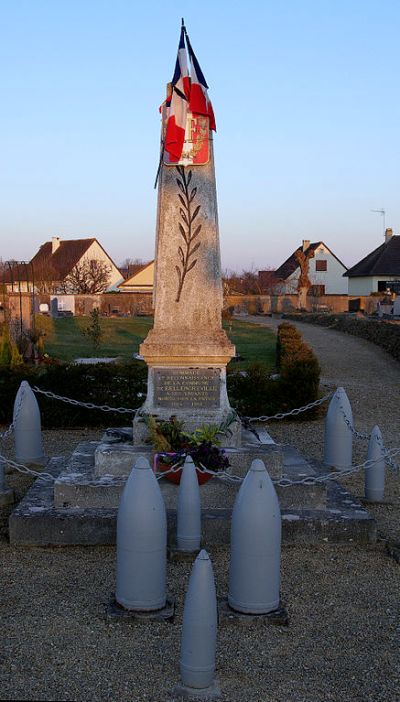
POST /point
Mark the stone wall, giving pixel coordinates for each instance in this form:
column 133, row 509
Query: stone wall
column 267, row 304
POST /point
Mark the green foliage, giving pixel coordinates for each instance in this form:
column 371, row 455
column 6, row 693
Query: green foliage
column 10, row 356
column 94, row 331
column 16, row 357
column 168, row 436
column 254, row 393
column 382, row 333
column 122, row 385
column 5, row 348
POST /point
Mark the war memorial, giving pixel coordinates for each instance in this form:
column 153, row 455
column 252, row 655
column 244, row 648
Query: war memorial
column 186, row 353
column 136, row 567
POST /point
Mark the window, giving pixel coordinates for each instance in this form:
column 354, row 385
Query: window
column 321, row 265
column 316, row 290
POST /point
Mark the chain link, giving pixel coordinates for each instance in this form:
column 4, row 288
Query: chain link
column 291, row 413
column 356, row 434
column 24, row 469
column 287, row 482
column 366, row 437
column 88, row 405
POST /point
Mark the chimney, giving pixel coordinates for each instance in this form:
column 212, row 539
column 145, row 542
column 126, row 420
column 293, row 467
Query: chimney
column 306, row 244
column 55, row 243
column 388, row 235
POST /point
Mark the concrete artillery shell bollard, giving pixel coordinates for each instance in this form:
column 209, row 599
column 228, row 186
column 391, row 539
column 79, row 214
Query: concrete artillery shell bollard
column 27, row 426
column 141, row 548
column 188, row 532
column 199, row 633
column 254, row 576
column 338, row 445
column 374, row 477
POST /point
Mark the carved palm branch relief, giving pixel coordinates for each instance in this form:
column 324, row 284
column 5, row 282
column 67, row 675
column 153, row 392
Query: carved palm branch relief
column 187, row 227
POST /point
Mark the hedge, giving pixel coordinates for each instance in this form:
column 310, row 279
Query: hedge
column 252, row 392
column 255, row 393
column 122, row 385
column 382, row 333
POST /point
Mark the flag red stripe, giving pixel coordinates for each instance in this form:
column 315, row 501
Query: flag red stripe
column 174, row 139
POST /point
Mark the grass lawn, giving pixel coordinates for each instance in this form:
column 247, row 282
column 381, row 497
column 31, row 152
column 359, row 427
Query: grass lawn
column 65, row 339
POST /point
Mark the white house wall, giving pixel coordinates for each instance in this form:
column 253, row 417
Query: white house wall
column 332, row 278
column 95, row 252
column 366, row 285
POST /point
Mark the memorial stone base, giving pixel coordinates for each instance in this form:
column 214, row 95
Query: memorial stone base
column 81, row 506
column 195, row 395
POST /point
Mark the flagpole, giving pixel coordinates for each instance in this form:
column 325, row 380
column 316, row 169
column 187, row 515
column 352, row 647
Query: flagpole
column 183, row 28
column 159, row 163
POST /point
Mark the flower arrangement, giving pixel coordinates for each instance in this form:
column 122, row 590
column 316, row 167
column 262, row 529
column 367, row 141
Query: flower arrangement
column 173, row 444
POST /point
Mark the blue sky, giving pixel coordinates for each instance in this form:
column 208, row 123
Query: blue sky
column 307, row 101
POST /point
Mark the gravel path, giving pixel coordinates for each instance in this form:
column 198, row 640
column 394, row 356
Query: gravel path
column 371, row 379
column 343, row 602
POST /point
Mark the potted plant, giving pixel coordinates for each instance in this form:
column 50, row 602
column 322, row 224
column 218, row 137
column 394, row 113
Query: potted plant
column 173, row 444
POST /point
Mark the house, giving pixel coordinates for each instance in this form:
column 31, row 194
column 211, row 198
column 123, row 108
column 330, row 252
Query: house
column 379, row 270
column 325, row 272
column 72, row 265
column 141, row 281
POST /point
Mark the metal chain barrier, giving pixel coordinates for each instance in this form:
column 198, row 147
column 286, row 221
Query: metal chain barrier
column 356, row 434
column 222, row 475
column 88, row 405
column 366, row 437
column 287, row 482
column 24, row 469
column 291, row 413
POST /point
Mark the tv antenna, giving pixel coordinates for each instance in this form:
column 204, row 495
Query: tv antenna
column 382, row 212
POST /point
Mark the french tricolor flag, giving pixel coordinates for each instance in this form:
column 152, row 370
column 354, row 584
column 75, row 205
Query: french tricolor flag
column 176, row 125
column 199, row 102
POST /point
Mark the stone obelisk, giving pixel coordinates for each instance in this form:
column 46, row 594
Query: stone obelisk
column 187, row 350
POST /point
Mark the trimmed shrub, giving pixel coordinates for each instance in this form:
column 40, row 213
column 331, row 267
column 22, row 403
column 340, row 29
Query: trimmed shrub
column 380, row 332
column 254, row 393
column 115, row 385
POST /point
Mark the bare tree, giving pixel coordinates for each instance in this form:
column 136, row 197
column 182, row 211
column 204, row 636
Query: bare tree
column 304, row 282
column 244, row 283
column 128, row 262
column 88, row 276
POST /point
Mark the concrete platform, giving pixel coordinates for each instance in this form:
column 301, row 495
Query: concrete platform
column 67, row 514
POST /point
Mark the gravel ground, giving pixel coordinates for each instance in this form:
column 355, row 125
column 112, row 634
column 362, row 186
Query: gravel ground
column 343, row 602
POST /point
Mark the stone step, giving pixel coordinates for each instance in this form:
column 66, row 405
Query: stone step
column 118, row 459
column 83, row 486
column 38, row 521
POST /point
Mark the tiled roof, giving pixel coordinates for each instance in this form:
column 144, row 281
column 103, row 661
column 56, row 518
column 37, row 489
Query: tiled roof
column 291, row 264
column 62, row 261
column 385, row 260
column 48, row 266
column 133, row 269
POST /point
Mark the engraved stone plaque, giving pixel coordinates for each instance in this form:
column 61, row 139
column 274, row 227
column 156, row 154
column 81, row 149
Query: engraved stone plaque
column 187, row 388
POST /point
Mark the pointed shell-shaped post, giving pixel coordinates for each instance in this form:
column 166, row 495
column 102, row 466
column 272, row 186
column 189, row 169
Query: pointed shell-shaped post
column 199, row 627
column 338, row 444
column 374, row 476
column 254, row 575
column 188, row 533
column 141, row 542
column 27, row 426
